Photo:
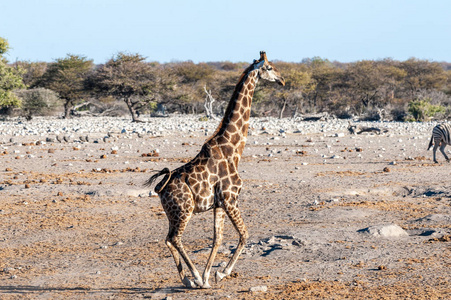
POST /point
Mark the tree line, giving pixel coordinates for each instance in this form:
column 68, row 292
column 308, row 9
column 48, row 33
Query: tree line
column 386, row 89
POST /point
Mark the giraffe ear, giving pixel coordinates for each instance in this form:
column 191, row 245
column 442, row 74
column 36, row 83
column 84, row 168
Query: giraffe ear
column 259, row 64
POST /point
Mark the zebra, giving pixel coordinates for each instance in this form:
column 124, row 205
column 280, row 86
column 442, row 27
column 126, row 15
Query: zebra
column 440, row 137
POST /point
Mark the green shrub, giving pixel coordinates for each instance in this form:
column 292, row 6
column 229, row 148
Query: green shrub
column 39, row 101
column 422, row 110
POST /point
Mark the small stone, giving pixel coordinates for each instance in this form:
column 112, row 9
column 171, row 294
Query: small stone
column 260, row 288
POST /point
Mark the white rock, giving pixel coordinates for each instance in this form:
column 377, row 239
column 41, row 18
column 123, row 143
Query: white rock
column 390, row 230
column 137, row 193
column 260, row 288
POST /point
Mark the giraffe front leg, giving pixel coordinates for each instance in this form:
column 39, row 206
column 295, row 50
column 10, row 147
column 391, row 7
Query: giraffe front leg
column 237, row 221
column 219, row 216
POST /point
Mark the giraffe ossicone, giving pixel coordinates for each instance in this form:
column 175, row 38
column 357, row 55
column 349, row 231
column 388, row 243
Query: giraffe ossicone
column 211, row 180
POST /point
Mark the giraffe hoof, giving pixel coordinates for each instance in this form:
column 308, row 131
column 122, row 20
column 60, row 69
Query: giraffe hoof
column 206, row 286
column 188, row 283
column 199, row 283
column 219, row 276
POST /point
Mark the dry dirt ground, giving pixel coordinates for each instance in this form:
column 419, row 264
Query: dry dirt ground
column 76, row 222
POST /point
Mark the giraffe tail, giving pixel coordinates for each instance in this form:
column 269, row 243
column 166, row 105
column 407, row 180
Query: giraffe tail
column 163, row 183
column 431, row 142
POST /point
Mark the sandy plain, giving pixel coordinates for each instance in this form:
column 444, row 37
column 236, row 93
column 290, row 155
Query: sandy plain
column 76, row 222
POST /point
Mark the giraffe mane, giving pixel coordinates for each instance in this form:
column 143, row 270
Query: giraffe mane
column 234, row 96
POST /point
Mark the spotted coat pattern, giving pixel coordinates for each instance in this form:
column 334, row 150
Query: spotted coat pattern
column 211, row 179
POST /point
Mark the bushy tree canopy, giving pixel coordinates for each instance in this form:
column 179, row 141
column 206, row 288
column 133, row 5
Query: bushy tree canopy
column 10, row 80
column 367, row 89
column 127, row 77
column 67, row 76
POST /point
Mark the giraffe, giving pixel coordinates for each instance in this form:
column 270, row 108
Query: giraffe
column 211, row 179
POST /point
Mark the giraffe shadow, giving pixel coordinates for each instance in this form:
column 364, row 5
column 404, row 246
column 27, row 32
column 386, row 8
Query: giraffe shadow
column 30, row 289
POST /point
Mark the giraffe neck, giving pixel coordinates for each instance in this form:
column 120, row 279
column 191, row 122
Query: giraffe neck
column 232, row 132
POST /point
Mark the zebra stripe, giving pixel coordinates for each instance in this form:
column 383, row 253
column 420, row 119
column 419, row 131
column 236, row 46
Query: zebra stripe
column 441, row 136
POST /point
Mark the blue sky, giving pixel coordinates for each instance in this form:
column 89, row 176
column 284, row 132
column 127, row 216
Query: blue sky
column 233, row 30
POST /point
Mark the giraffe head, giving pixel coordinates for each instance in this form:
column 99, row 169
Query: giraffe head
column 267, row 71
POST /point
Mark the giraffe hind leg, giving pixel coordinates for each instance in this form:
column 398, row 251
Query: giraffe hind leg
column 178, row 221
column 237, row 221
column 178, row 262
column 175, row 243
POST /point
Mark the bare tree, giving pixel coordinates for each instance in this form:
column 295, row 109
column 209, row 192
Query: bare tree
column 208, row 105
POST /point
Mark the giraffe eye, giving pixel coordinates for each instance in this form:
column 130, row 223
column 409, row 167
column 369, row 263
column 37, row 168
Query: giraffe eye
column 269, row 68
